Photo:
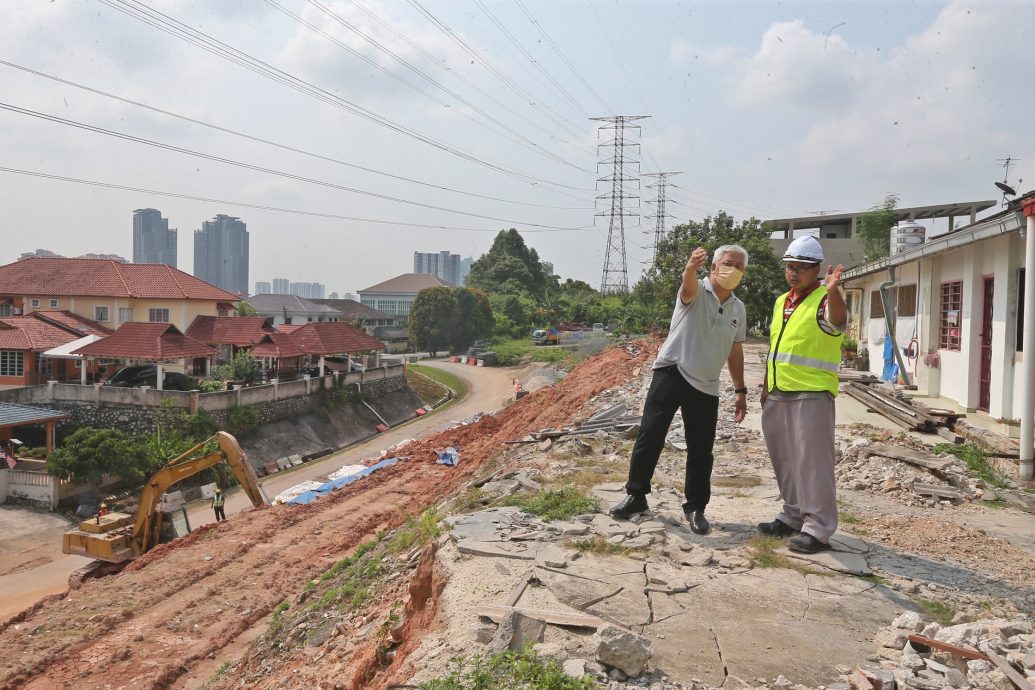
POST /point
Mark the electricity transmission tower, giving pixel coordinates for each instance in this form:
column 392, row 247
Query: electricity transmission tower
column 616, row 276
column 659, row 215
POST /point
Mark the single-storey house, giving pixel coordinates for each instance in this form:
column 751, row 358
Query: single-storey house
column 953, row 308
column 27, row 341
column 160, row 344
column 292, row 309
column 281, row 356
column 228, row 334
column 318, row 341
column 353, row 311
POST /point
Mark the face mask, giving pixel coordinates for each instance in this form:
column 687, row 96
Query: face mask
column 728, row 277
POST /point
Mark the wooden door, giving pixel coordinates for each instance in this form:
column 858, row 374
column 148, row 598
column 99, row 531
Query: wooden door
column 985, row 385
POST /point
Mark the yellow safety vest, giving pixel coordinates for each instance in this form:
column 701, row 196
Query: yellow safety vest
column 802, row 356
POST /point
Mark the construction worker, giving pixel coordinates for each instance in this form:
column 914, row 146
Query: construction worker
column 798, row 397
column 708, row 325
column 217, row 504
column 103, row 510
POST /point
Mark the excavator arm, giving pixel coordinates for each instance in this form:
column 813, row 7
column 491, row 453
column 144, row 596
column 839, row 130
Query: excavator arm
column 183, row 466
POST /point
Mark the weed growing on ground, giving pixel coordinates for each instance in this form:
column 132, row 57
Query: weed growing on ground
column 560, row 504
column 976, row 461
column 416, row 532
column 277, row 620
column 937, row 610
column 473, row 498
column 524, row 669
column 846, row 518
column 738, row 482
column 997, row 504
column 763, row 555
column 876, row 579
column 599, row 545
column 218, row 674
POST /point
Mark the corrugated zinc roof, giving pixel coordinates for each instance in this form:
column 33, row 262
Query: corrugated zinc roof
column 20, row 415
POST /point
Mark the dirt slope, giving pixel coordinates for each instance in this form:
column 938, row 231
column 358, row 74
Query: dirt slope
column 156, row 624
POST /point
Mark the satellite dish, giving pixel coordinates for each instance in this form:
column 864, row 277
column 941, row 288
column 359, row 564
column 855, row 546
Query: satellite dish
column 1006, row 189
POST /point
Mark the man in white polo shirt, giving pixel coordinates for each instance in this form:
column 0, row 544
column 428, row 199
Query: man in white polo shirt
column 707, row 328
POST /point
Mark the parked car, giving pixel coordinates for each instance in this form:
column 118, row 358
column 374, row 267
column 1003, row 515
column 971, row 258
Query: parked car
column 147, row 375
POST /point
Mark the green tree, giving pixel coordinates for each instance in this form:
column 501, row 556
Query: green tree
column 89, row 453
column 434, row 319
column 763, row 279
column 874, row 229
column 509, row 267
column 475, row 318
column 243, row 367
column 246, row 309
column 514, row 314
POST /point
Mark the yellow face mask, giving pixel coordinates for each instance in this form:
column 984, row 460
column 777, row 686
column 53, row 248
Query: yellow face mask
column 728, row 277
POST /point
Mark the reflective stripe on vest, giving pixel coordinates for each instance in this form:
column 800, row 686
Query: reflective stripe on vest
column 219, row 500
column 802, row 356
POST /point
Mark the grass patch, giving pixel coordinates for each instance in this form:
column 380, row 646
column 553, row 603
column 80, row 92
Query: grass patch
column 524, row 669
column 473, row 498
column 427, row 389
column 937, row 610
column 763, row 555
column 976, row 461
column 846, row 518
column 589, row 478
column 997, row 504
column 876, row 579
column 740, row 482
column 598, row 545
column 416, row 532
column 218, row 673
column 444, row 377
column 517, row 350
column 277, row 620
column 559, row 504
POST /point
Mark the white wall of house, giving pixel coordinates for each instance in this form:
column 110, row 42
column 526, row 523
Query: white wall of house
column 957, row 373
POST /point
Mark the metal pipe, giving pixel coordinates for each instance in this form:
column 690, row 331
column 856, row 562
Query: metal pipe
column 889, row 318
column 1027, row 466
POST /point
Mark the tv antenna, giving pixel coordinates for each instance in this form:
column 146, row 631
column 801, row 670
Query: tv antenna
column 1004, row 186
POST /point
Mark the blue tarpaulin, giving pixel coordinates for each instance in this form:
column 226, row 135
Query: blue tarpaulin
column 450, row 456
column 310, row 496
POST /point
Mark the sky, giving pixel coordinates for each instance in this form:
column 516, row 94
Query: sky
column 348, row 134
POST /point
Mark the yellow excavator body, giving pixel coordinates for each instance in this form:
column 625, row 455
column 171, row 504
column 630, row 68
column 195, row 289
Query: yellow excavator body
column 120, row 537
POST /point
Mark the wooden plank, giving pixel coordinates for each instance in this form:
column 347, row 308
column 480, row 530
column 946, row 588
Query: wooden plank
column 520, row 589
column 575, row 620
column 1020, row 681
column 965, row 652
column 948, row 434
column 910, row 456
column 891, row 413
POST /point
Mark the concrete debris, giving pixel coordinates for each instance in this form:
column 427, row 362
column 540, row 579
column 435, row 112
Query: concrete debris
column 621, row 649
column 515, row 631
column 912, row 476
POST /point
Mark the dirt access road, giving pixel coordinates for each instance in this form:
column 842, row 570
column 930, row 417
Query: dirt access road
column 172, row 617
column 34, row 567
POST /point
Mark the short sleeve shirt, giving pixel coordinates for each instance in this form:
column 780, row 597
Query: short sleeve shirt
column 701, row 335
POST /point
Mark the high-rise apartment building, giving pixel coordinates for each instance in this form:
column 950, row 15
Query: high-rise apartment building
column 262, row 287
column 281, row 286
column 153, row 241
column 308, row 290
column 465, row 268
column 221, row 253
column 441, row 265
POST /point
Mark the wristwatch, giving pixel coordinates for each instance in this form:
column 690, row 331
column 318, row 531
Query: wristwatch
column 741, row 391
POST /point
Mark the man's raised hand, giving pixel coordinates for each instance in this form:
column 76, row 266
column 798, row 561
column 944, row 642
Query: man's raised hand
column 696, row 260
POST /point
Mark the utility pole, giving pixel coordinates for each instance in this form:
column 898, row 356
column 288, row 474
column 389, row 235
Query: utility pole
column 615, row 278
column 659, row 214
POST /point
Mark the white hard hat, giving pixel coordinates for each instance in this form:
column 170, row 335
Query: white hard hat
column 806, row 249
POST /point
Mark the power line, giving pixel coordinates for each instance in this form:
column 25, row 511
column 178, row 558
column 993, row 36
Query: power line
column 659, row 215
column 246, row 166
column 578, row 75
column 285, row 147
column 244, row 204
column 615, row 278
column 440, row 63
column 212, row 45
column 514, row 136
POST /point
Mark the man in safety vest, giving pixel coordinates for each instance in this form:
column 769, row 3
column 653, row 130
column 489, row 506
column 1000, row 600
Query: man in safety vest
column 217, row 505
column 798, row 397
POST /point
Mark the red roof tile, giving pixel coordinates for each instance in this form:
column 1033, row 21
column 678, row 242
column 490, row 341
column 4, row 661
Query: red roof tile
column 334, row 337
column 40, row 331
column 277, row 345
column 242, row 331
column 147, row 341
column 288, row 327
column 104, row 278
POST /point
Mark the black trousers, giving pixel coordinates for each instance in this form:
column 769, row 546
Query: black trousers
column 668, row 392
column 220, row 515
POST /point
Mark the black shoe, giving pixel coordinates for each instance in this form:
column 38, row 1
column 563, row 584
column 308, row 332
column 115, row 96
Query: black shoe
column 806, row 543
column 630, row 505
column 776, row 529
column 698, row 522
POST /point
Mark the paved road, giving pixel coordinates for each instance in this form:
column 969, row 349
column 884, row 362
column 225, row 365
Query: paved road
column 486, row 390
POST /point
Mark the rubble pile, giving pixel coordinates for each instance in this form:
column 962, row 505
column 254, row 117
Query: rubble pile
column 987, row 655
column 917, row 478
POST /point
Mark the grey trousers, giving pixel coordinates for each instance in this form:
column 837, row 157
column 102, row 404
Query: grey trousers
column 800, row 437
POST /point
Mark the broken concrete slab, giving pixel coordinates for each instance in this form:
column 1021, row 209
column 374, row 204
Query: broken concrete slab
column 571, row 529
column 663, row 606
column 552, row 556
column 838, row 561
column 621, row 649
column 846, row 542
column 562, row 618
column 626, row 607
column 493, row 549
column 578, row 592
column 515, row 631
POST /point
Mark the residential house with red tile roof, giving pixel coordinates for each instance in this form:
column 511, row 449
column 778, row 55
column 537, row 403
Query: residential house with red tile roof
column 281, row 356
column 395, row 296
column 228, row 334
column 25, row 339
column 109, row 292
column 152, row 343
column 335, row 339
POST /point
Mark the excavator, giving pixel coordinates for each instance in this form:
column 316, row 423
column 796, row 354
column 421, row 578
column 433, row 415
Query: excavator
column 117, row 538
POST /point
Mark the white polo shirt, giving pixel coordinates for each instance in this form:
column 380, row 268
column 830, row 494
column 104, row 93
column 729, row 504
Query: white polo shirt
column 701, row 335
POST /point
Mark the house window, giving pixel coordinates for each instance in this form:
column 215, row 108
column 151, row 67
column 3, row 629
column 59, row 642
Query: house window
column 125, row 314
column 12, row 363
column 950, row 323
column 907, row 300
column 100, row 313
column 876, row 306
column 158, row 315
column 53, row 304
column 34, row 302
column 44, row 365
column 1020, row 311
